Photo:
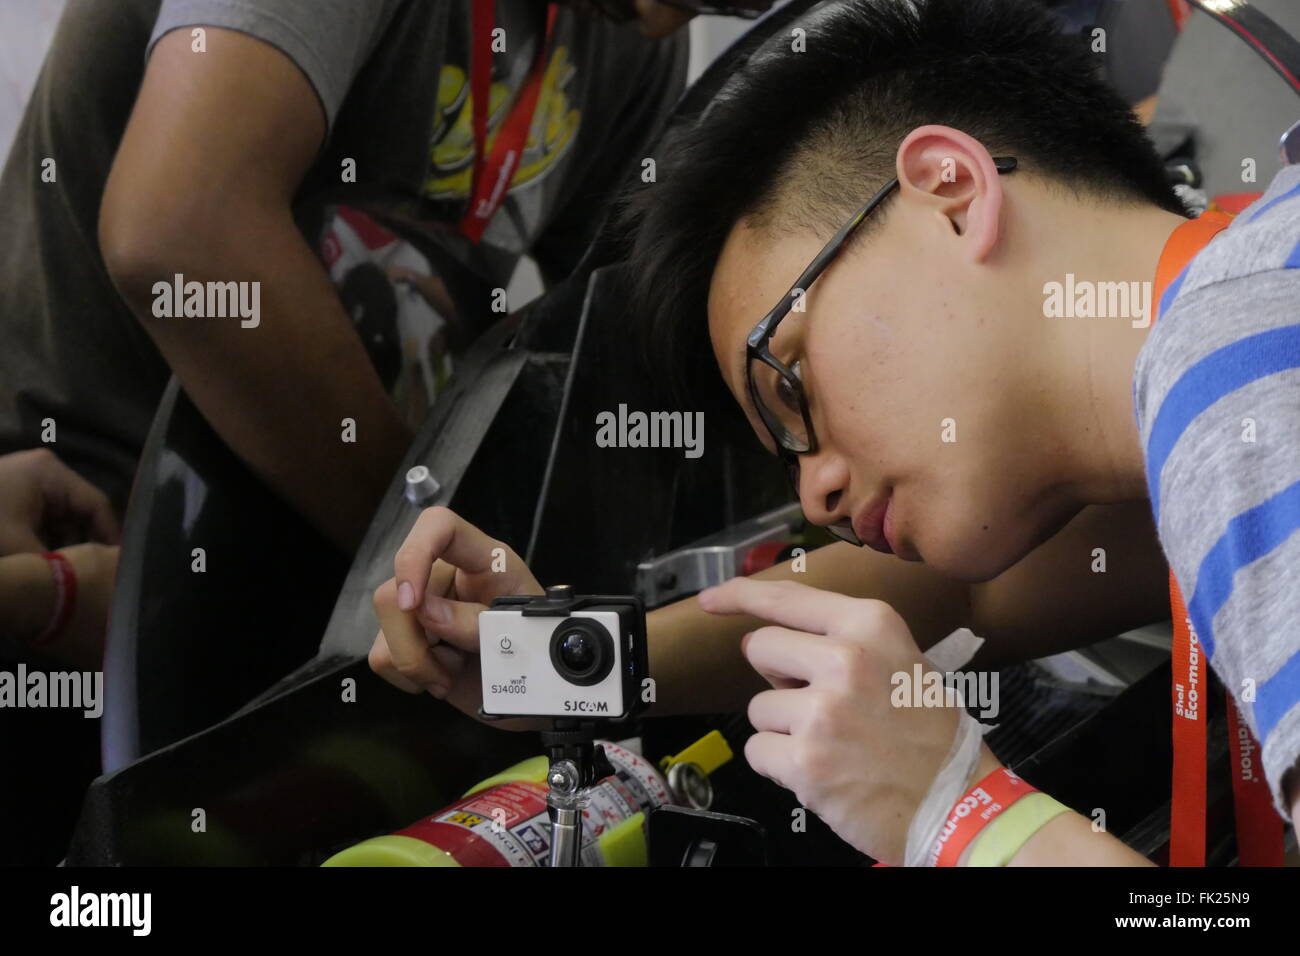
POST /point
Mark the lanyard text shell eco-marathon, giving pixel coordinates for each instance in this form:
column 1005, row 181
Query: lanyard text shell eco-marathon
column 1259, row 830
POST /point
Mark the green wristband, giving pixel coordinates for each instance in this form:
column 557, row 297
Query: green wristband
column 1011, row 830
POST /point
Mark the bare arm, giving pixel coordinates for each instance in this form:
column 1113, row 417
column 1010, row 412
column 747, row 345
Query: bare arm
column 202, row 185
column 696, row 658
column 1051, row 601
column 1067, row 840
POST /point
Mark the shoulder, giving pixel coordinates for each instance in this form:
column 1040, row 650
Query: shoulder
column 1241, row 293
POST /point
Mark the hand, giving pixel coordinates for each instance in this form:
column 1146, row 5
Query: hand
column 45, row 503
column 28, row 595
column 82, row 644
column 428, row 611
column 828, row 730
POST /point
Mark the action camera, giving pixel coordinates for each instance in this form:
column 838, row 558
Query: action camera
column 561, row 655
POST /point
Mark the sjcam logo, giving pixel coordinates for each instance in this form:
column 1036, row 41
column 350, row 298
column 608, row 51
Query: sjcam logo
column 586, row 706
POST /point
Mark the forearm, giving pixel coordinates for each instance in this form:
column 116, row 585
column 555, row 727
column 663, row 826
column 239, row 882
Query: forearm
column 1065, row 840
column 1069, row 840
column 695, row 657
column 279, row 392
column 696, row 663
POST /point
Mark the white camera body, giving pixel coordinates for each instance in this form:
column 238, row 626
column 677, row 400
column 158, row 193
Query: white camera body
column 562, row 656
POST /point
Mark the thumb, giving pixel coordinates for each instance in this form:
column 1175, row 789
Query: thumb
column 455, row 622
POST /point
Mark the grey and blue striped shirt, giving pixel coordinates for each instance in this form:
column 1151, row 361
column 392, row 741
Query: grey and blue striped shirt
column 1217, row 396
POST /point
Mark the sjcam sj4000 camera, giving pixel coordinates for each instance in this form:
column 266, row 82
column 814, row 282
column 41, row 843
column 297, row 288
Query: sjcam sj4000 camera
column 560, row 655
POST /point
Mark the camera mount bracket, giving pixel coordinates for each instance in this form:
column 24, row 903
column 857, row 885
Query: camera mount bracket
column 577, row 763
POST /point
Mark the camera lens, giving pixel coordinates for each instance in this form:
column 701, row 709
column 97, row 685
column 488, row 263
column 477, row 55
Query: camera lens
column 578, row 651
column 582, row 651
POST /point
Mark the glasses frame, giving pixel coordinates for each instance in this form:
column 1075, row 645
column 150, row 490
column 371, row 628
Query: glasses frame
column 757, row 344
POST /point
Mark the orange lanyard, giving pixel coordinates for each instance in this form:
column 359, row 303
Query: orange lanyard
column 493, row 174
column 1259, row 831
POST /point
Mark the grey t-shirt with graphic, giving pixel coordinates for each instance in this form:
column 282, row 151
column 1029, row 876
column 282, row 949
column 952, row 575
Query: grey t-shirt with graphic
column 391, row 76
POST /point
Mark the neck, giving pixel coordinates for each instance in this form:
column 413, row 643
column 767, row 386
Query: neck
column 1095, row 355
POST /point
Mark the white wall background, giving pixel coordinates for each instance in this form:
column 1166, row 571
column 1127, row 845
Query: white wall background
column 26, row 27
column 709, row 37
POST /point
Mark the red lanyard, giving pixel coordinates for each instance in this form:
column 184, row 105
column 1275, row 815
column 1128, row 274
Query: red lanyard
column 493, row 174
column 1259, row 831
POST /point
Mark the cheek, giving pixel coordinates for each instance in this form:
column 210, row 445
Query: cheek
column 845, row 398
column 876, row 392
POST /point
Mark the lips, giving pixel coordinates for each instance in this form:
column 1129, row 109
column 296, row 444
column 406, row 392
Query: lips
column 870, row 525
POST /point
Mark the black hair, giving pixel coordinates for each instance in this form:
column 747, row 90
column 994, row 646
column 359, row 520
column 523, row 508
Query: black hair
column 804, row 138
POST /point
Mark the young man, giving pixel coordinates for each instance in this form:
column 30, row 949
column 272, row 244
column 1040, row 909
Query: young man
column 216, row 140
column 935, row 400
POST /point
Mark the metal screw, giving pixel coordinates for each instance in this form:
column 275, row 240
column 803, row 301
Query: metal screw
column 421, row 487
column 691, row 785
column 563, row 777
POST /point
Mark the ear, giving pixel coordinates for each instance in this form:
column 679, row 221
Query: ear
column 952, row 173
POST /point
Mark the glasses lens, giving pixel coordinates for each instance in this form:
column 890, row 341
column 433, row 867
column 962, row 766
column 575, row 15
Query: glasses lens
column 778, row 398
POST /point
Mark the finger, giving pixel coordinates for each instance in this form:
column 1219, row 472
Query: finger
column 442, row 582
column 407, row 647
column 455, row 622
column 777, row 711
column 467, row 685
column 772, row 756
column 71, row 496
column 19, row 539
column 440, row 533
column 452, row 660
column 785, row 657
column 381, row 662
column 781, row 602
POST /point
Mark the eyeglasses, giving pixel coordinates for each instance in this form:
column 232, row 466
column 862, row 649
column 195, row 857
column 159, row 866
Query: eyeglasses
column 776, row 389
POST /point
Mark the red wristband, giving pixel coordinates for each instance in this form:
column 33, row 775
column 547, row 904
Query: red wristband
column 65, row 597
column 982, row 803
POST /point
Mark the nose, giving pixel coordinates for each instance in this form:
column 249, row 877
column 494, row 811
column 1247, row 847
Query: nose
column 821, row 480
